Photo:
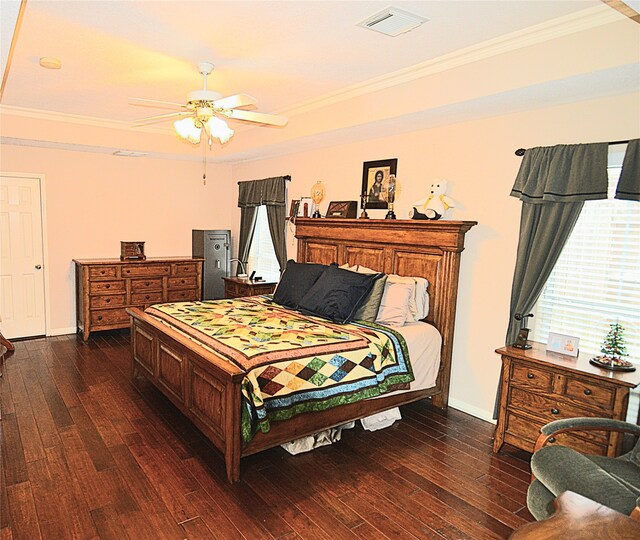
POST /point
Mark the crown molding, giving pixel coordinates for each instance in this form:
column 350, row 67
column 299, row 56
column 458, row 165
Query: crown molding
column 93, row 121
column 532, row 35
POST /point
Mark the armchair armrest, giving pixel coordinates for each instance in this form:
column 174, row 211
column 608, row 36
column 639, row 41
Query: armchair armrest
column 583, row 424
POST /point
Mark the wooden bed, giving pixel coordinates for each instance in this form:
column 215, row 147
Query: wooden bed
column 207, row 388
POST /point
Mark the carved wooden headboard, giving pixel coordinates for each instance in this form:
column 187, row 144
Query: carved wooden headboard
column 430, row 249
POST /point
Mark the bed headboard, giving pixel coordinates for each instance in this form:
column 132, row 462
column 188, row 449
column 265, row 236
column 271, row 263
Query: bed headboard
column 430, row 249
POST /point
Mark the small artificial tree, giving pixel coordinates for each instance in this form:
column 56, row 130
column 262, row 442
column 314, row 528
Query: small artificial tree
column 613, row 346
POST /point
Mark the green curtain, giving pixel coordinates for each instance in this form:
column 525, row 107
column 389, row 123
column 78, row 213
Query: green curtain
column 629, row 183
column 544, row 229
column 271, row 192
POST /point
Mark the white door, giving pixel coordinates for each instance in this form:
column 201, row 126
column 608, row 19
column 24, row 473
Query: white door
column 21, row 258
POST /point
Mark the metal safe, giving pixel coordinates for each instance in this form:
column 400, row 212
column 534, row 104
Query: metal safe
column 215, row 248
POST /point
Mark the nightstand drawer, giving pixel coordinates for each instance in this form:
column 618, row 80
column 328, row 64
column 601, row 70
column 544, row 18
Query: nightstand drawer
column 151, row 270
column 589, row 393
column 147, row 298
column 106, row 287
column 188, row 295
column 103, row 272
column 189, row 282
column 545, row 408
column 138, row 285
column 107, row 301
column 530, row 376
column 524, row 430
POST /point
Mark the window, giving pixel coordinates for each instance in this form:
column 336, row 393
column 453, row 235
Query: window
column 596, row 280
column 262, row 256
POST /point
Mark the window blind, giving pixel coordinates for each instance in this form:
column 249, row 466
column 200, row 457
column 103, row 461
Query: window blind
column 262, row 256
column 596, row 281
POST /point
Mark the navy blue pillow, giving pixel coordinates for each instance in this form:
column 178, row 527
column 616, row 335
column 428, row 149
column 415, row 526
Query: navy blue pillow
column 297, row 279
column 337, row 294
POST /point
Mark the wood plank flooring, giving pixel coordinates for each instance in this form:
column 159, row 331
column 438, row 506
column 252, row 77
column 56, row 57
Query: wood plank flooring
column 88, row 454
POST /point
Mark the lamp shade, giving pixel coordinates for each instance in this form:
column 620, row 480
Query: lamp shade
column 187, row 129
column 218, row 128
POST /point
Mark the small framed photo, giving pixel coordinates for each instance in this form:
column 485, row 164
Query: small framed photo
column 306, row 207
column 293, row 210
column 563, row 344
column 375, row 175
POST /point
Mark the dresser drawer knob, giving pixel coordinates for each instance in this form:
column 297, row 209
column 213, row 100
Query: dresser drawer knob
column 183, row 281
column 555, row 411
column 128, row 271
column 587, row 392
column 530, row 375
column 147, row 297
column 99, row 317
column 102, row 272
column 146, row 283
column 551, row 440
column 107, row 286
column 108, row 300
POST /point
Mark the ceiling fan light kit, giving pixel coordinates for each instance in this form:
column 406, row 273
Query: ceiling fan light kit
column 204, row 109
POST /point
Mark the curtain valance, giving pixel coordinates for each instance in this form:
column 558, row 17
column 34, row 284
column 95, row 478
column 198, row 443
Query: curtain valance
column 269, row 191
column 563, row 173
column 629, row 183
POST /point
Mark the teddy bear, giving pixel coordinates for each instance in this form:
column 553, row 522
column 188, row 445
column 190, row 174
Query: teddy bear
column 435, row 205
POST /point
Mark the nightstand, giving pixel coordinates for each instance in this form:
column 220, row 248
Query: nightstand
column 538, row 387
column 236, row 287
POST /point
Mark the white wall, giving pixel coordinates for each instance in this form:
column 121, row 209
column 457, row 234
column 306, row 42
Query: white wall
column 93, row 201
column 478, row 160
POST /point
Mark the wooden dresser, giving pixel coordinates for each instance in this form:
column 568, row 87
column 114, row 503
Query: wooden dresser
column 106, row 287
column 236, row 287
column 538, row 387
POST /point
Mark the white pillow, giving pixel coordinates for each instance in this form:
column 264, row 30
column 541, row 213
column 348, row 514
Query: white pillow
column 365, row 270
column 346, row 266
column 422, row 297
column 394, row 308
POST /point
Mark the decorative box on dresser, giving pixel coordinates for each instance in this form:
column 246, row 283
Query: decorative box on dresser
column 237, row 287
column 106, row 287
column 538, row 387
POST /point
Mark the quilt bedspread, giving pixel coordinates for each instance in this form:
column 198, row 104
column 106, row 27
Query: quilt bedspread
column 294, row 363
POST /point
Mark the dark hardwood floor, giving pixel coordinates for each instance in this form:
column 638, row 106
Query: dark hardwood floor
column 88, row 454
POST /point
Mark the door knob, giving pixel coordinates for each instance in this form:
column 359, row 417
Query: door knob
column 38, row 266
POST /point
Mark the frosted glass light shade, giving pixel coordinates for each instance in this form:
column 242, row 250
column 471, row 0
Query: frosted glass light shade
column 218, row 128
column 187, row 129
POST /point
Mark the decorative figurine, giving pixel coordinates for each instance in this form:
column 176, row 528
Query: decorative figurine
column 363, row 205
column 613, row 348
column 435, row 205
column 523, row 334
column 392, row 187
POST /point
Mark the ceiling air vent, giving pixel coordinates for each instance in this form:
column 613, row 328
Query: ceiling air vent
column 393, row 21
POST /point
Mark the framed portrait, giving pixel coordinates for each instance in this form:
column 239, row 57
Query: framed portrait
column 306, row 207
column 375, row 175
column 563, row 344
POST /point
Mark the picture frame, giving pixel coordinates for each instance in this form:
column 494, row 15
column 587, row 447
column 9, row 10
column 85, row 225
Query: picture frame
column 374, row 176
column 294, row 208
column 309, row 207
column 563, row 344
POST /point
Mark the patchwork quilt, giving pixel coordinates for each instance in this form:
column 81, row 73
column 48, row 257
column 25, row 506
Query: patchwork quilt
column 294, row 363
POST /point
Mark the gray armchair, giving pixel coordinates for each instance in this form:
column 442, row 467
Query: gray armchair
column 612, row 482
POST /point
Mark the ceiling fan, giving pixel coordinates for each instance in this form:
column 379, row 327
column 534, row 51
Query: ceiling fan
column 206, row 110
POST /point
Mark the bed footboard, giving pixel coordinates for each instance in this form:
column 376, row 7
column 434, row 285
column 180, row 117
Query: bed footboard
column 205, row 387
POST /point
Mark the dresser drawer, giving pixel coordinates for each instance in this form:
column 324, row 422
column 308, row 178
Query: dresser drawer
column 139, row 285
column 187, row 282
column 106, row 301
column 547, row 409
column 147, row 298
column 105, row 287
column 141, row 270
column 106, row 317
column 589, row 393
column 184, row 269
column 523, row 430
column 188, row 295
column 529, row 376
column 103, row 272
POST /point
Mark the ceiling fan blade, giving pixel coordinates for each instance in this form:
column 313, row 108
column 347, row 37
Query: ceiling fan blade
column 181, row 105
column 237, row 100
column 262, row 118
column 159, row 117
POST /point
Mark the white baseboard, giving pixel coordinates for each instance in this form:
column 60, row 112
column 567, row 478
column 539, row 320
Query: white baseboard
column 473, row 411
column 61, row 331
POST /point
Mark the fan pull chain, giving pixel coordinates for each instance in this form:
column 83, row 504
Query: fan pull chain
column 204, row 164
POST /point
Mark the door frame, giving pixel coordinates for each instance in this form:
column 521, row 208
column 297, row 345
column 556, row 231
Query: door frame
column 45, row 243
